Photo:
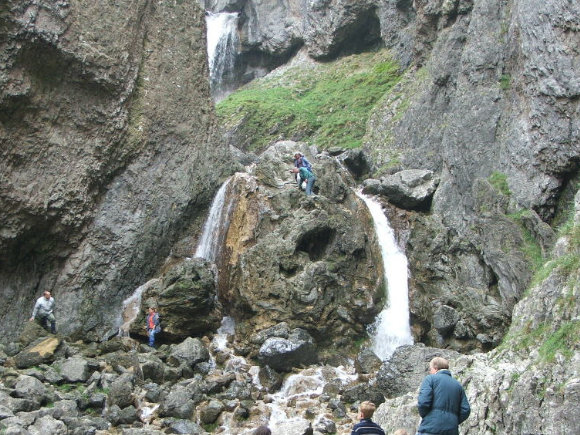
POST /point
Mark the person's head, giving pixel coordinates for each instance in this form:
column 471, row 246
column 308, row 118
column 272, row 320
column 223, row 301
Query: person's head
column 46, row 294
column 437, row 364
column 367, row 409
column 400, row 432
column 152, row 309
column 263, row 430
column 297, row 156
column 294, row 170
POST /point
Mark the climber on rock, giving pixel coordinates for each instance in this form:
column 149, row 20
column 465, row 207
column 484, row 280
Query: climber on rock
column 301, row 162
column 307, row 175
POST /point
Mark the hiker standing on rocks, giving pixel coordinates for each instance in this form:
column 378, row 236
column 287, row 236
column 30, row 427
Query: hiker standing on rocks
column 44, row 312
column 301, row 162
column 366, row 425
column 442, row 402
column 153, row 326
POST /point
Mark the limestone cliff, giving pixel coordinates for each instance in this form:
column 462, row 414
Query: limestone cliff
column 107, row 151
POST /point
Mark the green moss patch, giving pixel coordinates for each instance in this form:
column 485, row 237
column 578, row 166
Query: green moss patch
column 327, row 104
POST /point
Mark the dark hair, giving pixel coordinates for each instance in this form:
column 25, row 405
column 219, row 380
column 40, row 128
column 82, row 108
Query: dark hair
column 263, row 430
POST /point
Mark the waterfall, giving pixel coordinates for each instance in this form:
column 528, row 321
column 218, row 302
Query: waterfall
column 222, row 49
column 391, row 328
column 216, row 225
column 131, row 307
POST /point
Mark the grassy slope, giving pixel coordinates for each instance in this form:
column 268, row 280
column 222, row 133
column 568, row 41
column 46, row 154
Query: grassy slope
column 325, row 104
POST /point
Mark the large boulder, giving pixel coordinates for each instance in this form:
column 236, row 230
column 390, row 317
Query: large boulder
column 185, row 296
column 190, row 352
column 40, row 352
column 310, row 262
column 283, row 354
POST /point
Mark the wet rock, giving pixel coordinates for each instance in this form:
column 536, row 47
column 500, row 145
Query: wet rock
column 410, row 189
column 153, row 392
column 181, row 400
column 270, row 379
column 30, row 388
column 356, row 162
column 325, row 425
column 367, row 361
column 209, row 413
column 218, row 381
column 405, row 370
column 48, row 425
column 152, row 368
column 40, row 352
column 65, row 408
column 181, row 426
column 75, row 370
column 190, row 352
column 444, row 319
column 240, row 390
column 361, row 392
column 284, row 354
column 121, row 391
column 119, row 416
column 281, row 330
column 5, row 412
column 186, row 290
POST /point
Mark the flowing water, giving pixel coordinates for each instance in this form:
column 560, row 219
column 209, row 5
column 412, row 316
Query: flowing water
column 131, row 307
column 222, row 49
column 391, row 328
column 216, row 225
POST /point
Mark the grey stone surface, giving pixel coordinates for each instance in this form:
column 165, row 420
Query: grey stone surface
column 75, row 370
column 190, row 352
column 108, row 150
column 286, row 353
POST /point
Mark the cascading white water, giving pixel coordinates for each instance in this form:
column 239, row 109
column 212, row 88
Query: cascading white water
column 131, row 307
column 222, row 48
column 391, row 328
column 216, row 225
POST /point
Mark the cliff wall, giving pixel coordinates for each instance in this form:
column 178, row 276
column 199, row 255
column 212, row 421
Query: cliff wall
column 107, row 151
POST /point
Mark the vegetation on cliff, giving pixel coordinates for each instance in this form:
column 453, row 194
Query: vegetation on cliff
column 326, row 104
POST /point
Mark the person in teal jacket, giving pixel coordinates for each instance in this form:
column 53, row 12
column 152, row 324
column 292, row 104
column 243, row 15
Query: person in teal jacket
column 442, row 402
column 307, row 175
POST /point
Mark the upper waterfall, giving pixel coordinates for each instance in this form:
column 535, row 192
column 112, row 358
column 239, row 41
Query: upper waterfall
column 222, row 47
column 391, row 328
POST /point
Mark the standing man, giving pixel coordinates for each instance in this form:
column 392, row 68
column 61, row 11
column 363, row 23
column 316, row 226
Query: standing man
column 442, row 403
column 153, row 327
column 366, row 425
column 43, row 312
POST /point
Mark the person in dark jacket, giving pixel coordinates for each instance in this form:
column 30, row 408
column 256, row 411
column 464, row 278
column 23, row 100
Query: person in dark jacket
column 366, row 425
column 442, row 402
column 153, row 326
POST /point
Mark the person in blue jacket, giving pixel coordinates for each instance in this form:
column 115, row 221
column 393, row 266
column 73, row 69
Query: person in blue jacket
column 307, row 175
column 301, row 162
column 366, row 425
column 442, row 402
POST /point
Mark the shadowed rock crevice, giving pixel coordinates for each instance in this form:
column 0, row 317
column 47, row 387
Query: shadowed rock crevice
column 315, row 242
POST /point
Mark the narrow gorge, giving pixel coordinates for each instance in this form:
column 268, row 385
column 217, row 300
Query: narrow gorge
column 145, row 156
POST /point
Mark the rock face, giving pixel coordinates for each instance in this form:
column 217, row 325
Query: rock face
column 307, row 261
column 107, row 150
column 271, row 32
